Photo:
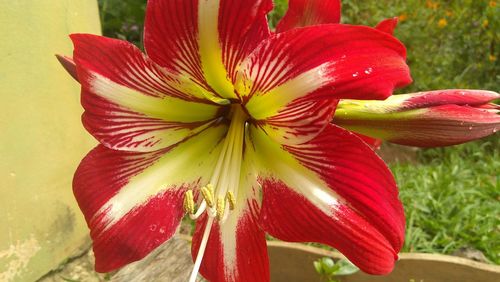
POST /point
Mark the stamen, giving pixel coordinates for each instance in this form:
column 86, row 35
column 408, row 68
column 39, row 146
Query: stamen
column 200, row 211
column 210, row 187
column 221, row 206
column 224, row 217
column 223, row 185
column 231, row 200
column 201, row 250
column 208, row 194
column 188, row 202
column 211, row 212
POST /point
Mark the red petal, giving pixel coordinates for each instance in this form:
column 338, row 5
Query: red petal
column 132, row 202
column 388, row 25
column 302, row 66
column 426, row 119
column 442, row 126
column 289, row 216
column 99, row 177
column 68, row 64
column 357, row 210
column 172, row 33
column 236, row 249
column 124, row 64
column 251, row 261
column 372, row 142
column 299, row 121
column 130, row 102
column 359, row 176
column 336, row 61
column 449, row 96
column 310, row 12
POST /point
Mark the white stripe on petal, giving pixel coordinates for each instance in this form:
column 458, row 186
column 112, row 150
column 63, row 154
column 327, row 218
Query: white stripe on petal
column 185, row 166
column 165, row 108
column 210, row 48
column 267, row 104
column 287, row 169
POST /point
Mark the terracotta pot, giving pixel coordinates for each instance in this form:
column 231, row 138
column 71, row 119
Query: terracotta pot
column 294, row 262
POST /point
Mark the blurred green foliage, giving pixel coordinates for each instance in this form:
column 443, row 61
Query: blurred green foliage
column 451, row 44
column 123, row 19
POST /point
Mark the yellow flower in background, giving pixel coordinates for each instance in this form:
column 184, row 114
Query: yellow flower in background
column 442, row 23
column 403, row 17
column 492, row 57
column 432, row 5
column 486, row 23
column 449, row 13
column 493, row 4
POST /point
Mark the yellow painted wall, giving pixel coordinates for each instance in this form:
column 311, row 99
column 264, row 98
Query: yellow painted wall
column 41, row 137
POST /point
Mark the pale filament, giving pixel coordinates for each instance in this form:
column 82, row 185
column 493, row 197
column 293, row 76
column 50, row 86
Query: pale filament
column 200, row 211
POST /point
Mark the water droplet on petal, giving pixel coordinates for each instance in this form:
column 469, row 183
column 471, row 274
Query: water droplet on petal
column 152, row 227
column 495, row 130
column 368, row 70
column 355, row 74
column 162, row 230
column 470, row 127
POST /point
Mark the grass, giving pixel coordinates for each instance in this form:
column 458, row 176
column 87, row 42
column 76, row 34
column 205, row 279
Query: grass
column 451, row 199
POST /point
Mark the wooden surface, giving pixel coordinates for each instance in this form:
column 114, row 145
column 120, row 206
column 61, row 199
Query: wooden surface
column 170, row 262
column 293, row 262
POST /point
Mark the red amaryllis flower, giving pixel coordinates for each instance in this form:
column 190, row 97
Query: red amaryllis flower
column 426, row 119
column 230, row 123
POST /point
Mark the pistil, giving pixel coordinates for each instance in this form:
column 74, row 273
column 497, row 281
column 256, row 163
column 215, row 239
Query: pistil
column 222, row 190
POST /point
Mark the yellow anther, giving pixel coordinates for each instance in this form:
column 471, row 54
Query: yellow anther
column 232, row 201
column 221, row 205
column 210, row 187
column 208, row 195
column 188, row 202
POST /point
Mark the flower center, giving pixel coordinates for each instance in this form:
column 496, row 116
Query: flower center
column 220, row 194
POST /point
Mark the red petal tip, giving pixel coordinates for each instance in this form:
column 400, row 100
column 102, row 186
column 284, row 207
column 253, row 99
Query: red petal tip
column 68, row 64
column 388, row 25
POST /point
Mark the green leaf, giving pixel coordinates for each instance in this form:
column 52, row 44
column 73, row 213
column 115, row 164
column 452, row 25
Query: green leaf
column 346, row 267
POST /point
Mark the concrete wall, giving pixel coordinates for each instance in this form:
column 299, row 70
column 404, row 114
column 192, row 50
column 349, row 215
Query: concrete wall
column 41, row 137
